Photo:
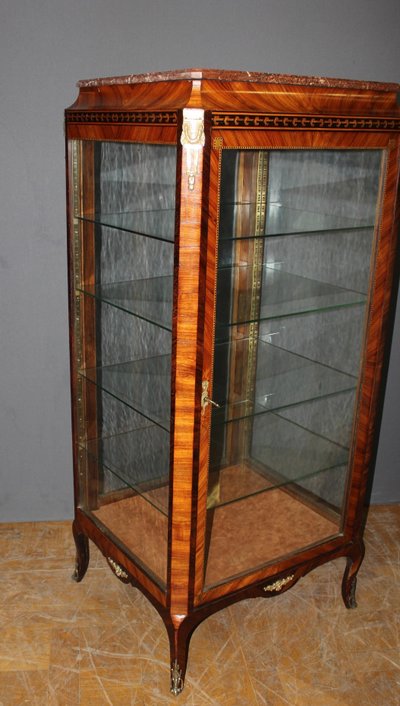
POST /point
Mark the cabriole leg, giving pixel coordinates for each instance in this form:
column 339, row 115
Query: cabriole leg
column 179, row 639
column 350, row 576
column 82, row 553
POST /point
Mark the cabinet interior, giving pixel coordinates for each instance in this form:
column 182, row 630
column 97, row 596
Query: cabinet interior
column 295, row 242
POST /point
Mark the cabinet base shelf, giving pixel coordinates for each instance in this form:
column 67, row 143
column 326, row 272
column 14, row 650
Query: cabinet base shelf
column 131, row 519
column 242, row 519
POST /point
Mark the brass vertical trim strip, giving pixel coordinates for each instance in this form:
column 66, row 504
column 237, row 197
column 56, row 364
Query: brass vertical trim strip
column 77, row 265
column 257, row 265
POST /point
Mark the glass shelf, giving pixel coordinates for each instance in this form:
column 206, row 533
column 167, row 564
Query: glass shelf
column 144, row 385
column 281, row 220
column 139, row 458
column 282, row 453
column 283, row 380
column 283, row 294
column 158, row 224
column 149, row 299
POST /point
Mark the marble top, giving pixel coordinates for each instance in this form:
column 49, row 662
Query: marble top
column 250, row 76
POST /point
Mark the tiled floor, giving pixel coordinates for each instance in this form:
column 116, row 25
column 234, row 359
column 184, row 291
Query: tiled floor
column 100, row 643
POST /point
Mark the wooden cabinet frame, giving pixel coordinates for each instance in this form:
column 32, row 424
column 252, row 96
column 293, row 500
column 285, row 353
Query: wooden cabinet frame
column 204, row 113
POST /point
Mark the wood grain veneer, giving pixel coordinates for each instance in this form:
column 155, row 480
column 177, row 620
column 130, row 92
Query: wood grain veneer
column 230, row 90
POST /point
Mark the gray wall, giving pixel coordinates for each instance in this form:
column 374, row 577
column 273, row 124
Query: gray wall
column 45, row 46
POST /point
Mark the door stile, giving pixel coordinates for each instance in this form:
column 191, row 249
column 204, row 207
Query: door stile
column 205, row 413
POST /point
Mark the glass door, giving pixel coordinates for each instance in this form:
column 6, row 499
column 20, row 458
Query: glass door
column 295, row 249
column 124, row 227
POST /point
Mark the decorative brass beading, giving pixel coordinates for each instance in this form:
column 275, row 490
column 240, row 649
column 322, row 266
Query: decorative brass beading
column 277, row 585
column 257, row 270
column 164, row 117
column 285, row 121
column 76, row 264
column 218, row 143
column 193, row 140
column 176, row 679
column 118, row 571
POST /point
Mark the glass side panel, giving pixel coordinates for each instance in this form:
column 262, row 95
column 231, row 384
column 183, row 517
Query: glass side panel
column 124, row 225
column 130, row 458
column 296, row 235
column 144, row 385
column 135, row 188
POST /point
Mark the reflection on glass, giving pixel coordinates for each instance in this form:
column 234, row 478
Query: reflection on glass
column 127, row 226
column 155, row 224
column 295, row 242
column 284, row 294
column 281, row 220
column 144, row 385
column 282, row 378
column 150, row 299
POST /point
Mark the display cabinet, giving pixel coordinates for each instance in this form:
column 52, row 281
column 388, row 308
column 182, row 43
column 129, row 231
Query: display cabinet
column 232, row 259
